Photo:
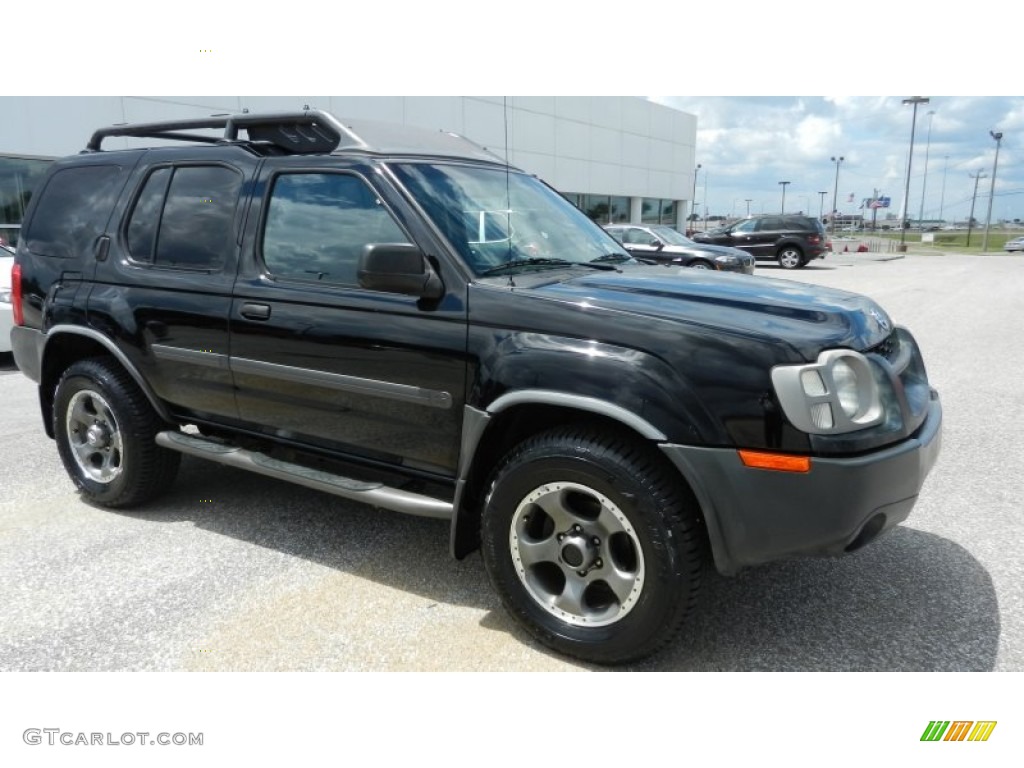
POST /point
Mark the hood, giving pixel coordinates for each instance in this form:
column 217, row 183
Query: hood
column 808, row 317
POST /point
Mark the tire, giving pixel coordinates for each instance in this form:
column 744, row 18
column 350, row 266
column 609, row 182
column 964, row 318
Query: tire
column 790, row 257
column 700, row 265
column 105, row 430
column 591, row 544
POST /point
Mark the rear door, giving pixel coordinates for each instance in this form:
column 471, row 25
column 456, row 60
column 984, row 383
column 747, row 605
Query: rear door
column 317, row 359
column 163, row 289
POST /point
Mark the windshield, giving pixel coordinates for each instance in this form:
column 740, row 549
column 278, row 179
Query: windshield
column 670, row 236
column 494, row 218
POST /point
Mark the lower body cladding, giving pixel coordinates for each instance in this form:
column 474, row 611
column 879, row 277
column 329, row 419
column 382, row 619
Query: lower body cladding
column 754, row 516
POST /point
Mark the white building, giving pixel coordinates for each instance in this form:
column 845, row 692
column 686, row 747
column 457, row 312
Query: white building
column 620, row 159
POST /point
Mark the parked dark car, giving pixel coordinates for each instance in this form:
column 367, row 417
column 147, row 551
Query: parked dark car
column 399, row 318
column 791, row 240
column 660, row 244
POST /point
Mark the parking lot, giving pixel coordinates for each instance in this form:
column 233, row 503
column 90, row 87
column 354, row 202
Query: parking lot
column 232, row 571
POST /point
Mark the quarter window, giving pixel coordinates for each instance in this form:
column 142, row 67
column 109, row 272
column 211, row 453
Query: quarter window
column 318, row 224
column 73, row 210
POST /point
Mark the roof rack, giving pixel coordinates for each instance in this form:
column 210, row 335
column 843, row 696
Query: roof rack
column 308, row 132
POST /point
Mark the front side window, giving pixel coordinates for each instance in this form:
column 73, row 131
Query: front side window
column 185, row 217
column 747, row 225
column 318, row 224
column 538, row 226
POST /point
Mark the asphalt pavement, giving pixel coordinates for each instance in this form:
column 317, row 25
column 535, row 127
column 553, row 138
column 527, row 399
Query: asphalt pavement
column 233, row 571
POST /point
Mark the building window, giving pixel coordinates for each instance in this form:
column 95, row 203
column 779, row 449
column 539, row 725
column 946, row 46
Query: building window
column 658, row 211
column 619, row 210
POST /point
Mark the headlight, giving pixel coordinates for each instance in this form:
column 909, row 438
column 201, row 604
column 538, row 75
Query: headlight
column 837, row 394
column 727, row 259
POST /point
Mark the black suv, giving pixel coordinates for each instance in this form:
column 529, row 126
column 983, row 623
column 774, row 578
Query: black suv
column 792, row 240
column 399, row 318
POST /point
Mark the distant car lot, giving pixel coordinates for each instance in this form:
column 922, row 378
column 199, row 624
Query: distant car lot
column 237, row 572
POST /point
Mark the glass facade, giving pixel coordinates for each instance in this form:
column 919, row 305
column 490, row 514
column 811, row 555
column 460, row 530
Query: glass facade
column 19, row 176
column 604, row 209
column 658, row 211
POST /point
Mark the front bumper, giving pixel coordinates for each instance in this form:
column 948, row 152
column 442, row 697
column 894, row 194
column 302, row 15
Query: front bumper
column 755, row 516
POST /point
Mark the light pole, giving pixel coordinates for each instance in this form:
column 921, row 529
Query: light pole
column 970, row 219
column 693, row 197
column 915, row 100
column 705, row 201
column 998, row 136
column 821, row 204
column 748, row 201
column 942, row 198
column 924, row 183
column 835, row 192
column 783, row 183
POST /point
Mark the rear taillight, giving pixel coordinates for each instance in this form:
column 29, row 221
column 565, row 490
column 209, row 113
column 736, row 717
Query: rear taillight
column 813, row 239
column 19, row 316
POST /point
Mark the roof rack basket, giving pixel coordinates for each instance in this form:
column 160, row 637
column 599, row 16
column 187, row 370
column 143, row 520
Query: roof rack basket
column 308, row 132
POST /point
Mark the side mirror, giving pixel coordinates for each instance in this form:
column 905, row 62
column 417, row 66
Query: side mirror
column 398, row 268
column 657, row 243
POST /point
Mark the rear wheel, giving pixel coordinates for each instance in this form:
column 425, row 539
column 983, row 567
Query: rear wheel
column 591, row 544
column 790, row 257
column 105, row 430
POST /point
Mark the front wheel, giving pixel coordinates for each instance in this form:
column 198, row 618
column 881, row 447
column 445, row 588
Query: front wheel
column 700, row 265
column 592, row 545
column 790, row 258
column 105, row 430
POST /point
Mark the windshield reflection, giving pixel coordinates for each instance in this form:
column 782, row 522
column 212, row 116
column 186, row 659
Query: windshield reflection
column 494, row 217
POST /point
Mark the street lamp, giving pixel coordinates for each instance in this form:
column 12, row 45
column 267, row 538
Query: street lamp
column 693, row 197
column 748, row 201
column 835, row 192
column 970, row 219
column 915, row 100
column 783, row 183
column 942, row 198
column 927, row 146
column 998, row 136
column 821, row 204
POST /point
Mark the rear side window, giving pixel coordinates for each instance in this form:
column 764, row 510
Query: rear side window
column 185, row 217
column 72, row 210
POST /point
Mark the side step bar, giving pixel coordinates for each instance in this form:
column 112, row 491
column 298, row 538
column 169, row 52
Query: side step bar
column 376, row 494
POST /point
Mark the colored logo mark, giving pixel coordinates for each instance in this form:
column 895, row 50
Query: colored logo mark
column 958, row 730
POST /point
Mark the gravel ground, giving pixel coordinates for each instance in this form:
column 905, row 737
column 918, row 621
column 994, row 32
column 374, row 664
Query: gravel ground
column 232, row 571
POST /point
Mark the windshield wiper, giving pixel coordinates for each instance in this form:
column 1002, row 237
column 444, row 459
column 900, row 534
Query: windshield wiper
column 618, row 258
column 535, row 260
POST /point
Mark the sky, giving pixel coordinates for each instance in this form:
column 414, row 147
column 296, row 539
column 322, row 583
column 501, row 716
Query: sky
column 747, row 145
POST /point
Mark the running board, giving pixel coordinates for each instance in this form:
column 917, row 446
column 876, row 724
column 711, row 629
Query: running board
column 376, row 494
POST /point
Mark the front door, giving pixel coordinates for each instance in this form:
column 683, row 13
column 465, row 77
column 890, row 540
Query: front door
column 320, row 360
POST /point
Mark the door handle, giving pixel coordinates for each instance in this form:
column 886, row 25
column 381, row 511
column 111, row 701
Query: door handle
column 255, row 311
